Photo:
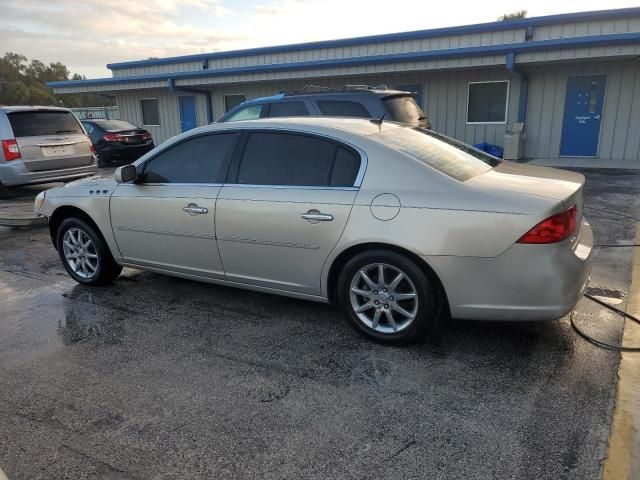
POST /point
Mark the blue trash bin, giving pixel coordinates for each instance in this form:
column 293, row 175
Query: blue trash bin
column 494, row 150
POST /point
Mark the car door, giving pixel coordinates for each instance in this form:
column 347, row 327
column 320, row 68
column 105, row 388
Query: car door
column 284, row 208
column 167, row 219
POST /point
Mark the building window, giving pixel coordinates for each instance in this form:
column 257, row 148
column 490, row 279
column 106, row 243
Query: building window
column 487, row 102
column 232, row 101
column 150, row 111
column 417, row 91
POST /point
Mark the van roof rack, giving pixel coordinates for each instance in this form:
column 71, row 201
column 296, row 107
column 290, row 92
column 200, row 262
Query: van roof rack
column 307, row 89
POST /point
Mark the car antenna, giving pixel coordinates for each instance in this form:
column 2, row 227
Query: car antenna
column 378, row 121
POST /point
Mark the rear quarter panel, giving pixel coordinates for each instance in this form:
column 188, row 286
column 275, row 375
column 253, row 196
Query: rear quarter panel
column 437, row 215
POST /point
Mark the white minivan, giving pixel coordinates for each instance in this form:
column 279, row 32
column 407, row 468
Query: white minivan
column 43, row 144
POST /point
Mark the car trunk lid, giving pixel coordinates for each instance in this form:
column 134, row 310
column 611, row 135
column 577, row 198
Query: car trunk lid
column 561, row 185
column 130, row 137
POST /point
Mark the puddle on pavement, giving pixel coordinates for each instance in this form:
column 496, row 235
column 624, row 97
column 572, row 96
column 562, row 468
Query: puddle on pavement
column 86, row 321
column 607, row 295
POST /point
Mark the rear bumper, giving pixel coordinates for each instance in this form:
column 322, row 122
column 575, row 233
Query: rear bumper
column 14, row 173
column 115, row 151
column 527, row 282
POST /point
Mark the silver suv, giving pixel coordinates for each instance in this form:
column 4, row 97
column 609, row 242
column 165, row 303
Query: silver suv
column 43, row 144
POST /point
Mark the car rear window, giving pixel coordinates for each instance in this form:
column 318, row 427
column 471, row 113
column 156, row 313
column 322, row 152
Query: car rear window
column 115, row 125
column 442, row 153
column 32, row 124
column 404, row 109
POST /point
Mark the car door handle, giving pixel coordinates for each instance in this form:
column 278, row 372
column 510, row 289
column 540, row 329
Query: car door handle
column 315, row 216
column 193, row 209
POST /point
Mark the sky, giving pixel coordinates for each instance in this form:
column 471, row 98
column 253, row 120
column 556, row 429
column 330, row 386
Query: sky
column 86, row 35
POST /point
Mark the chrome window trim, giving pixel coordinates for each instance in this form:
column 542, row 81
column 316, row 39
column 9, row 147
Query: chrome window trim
column 289, row 187
column 168, row 184
column 243, row 185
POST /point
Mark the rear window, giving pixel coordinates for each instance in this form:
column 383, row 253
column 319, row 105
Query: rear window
column 33, row 124
column 404, row 109
column 115, row 125
column 449, row 156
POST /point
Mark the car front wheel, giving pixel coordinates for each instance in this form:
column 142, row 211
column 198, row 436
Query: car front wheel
column 85, row 254
column 387, row 297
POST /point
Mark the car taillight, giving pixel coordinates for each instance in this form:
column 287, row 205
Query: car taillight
column 146, row 136
column 10, row 149
column 554, row 229
column 91, row 147
column 113, row 137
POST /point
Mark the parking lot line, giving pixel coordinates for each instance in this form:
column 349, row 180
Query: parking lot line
column 623, row 456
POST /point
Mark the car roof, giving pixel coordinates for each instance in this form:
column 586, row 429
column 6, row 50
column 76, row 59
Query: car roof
column 355, row 92
column 103, row 120
column 32, row 108
column 356, row 126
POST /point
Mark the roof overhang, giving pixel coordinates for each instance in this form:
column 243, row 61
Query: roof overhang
column 510, row 50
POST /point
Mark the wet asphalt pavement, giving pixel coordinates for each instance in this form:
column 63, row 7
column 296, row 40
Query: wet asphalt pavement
column 161, row 378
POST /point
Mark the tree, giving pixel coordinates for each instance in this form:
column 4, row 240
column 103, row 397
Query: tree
column 513, row 16
column 23, row 83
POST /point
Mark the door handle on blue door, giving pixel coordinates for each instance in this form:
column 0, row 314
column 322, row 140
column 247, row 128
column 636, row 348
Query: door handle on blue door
column 193, row 209
column 314, row 216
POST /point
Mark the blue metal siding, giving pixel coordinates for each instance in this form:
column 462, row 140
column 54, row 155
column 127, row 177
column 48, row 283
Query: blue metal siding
column 522, row 47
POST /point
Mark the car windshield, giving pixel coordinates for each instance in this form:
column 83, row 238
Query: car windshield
column 404, row 109
column 111, row 125
column 449, row 156
column 34, row 124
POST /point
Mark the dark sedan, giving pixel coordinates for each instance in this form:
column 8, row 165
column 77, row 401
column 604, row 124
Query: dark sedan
column 117, row 140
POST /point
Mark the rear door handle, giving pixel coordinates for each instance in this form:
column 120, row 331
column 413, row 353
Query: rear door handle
column 193, row 209
column 314, row 216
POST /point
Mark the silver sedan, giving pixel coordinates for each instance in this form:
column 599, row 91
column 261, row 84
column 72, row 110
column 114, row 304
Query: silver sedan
column 400, row 227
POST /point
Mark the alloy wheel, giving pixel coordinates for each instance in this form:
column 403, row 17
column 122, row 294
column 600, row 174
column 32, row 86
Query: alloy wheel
column 383, row 298
column 80, row 253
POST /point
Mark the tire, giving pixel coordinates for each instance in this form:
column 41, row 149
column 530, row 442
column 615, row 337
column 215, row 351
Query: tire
column 104, row 160
column 412, row 318
column 99, row 266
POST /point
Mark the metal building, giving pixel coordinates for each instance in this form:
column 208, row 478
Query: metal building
column 573, row 80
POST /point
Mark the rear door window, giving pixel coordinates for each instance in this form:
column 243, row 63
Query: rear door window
column 35, row 124
column 345, row 168
column 202, row 159
column 288, row 109
column 337, row 108
column 286, row 159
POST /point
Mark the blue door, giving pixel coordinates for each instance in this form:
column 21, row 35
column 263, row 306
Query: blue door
column 582, row 116
column 187, row 113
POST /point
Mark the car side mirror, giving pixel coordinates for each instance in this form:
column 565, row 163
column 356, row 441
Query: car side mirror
column 126, row 173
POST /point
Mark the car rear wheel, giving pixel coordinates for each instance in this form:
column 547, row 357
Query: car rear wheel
column 85, row 254
column 387, row 297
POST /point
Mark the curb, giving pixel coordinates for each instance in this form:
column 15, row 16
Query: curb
column 19, row 213
column 22, row 219
column 623, row 457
